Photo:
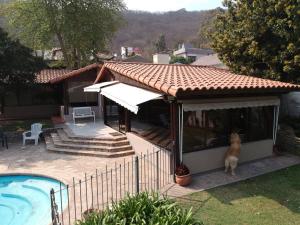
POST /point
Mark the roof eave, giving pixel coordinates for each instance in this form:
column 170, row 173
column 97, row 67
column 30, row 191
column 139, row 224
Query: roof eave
column 74, row 73
column 252, row 91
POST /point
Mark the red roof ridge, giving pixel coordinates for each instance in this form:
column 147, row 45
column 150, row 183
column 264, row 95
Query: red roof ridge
column 75, row 73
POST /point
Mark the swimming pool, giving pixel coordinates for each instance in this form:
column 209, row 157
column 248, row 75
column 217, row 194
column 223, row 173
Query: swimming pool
column 25, row 200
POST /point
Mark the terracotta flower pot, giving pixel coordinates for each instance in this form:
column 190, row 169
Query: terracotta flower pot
column 183, row 180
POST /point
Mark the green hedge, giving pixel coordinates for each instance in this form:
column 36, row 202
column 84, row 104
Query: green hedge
column 142, row 209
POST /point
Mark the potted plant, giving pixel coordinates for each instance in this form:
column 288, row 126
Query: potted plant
column 182, row 175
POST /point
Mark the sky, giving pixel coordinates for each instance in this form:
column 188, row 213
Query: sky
column 171, row 5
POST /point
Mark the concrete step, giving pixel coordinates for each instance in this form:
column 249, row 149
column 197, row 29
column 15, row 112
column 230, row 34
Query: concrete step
column 156, row 134
column 106, row 138
column 51, row 147
column 163, row 137
column 112, row 143
column 149, row 132
column 87, row 147
column 166, row 143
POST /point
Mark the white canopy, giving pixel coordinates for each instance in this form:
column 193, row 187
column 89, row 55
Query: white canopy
column 97, row 87
column 232, row 103
column 128, row 96
column 125, row 95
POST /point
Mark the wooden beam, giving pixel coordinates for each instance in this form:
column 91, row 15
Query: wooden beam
column 174, row 126
column 66, row 97
column 104, row 103
column 127, row 121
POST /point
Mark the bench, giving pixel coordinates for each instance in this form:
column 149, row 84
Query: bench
column 83, row 112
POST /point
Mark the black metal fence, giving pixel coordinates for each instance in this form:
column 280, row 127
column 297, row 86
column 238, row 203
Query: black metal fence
column 146, row 172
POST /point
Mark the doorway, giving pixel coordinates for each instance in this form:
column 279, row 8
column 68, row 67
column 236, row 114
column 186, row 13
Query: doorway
column 115, row 116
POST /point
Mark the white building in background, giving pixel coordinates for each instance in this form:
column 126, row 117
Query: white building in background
column 161, row 58
column 187, row 51
column 210, row 60
column 126, row 52
column 53, row 54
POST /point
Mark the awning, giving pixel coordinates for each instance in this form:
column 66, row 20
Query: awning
column 232, row 103
column 97, row 87
column 128, row 96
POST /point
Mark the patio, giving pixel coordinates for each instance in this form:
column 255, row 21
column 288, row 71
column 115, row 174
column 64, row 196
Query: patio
column 217, row 178
column 86, row 128
column 37, row 160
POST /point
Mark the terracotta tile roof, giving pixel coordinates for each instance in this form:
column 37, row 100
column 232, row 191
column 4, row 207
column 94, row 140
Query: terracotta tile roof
column 46, row 75
column 175, row 79
column 73, row 73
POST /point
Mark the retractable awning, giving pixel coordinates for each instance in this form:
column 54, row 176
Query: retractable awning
column 97, row 87
column 232, row 103
column 128, row 96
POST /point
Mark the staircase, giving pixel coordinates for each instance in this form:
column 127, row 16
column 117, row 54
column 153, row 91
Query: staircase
column 158, row 136
column 63, row 141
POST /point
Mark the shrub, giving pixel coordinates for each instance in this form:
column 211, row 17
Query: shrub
column 182, row 170
column 141, row 209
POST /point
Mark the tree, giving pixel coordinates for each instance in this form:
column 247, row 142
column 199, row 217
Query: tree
column 180, row 60
column 18, row 66
column 207, row 27
column 260, row 37
column 160, row 44
column 80, row 28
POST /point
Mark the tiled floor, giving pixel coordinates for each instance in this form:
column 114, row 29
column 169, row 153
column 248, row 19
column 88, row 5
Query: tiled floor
column 245, row 171
column 90, row 129
column 36, row 160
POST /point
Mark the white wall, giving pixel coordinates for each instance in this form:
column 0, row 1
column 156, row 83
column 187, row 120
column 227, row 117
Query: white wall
column 211, row 159
column 161, row 59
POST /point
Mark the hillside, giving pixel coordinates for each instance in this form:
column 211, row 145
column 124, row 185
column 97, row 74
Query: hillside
column 143, row 28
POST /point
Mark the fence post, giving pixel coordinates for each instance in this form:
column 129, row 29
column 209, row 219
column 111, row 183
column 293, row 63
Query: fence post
column 54, row 212
column 157, row 171
column 137, row 179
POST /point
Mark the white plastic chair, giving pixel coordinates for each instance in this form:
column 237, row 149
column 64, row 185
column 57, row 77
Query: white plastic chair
column 33, row 134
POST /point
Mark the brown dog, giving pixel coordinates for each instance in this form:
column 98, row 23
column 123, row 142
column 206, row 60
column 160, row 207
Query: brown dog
column 233, row 153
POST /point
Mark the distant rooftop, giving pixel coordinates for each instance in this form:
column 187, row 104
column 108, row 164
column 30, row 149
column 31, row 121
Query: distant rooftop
column 187, row 48
column 210, row 60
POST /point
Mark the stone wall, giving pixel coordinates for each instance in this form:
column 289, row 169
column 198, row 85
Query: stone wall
column 30, row 112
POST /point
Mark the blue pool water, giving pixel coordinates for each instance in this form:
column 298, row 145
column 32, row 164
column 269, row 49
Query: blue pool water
column 25, row 200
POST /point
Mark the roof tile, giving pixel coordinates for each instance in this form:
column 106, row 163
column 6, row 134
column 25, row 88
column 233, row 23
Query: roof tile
column 45, row 76
column 172, row 79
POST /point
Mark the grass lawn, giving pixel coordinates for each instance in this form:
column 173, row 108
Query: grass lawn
column 22, row 125
column 269, row 199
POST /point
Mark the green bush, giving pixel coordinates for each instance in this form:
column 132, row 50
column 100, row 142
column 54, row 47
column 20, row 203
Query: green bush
column 141, row 209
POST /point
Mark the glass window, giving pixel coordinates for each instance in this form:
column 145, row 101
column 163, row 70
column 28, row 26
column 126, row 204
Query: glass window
column 212, row 128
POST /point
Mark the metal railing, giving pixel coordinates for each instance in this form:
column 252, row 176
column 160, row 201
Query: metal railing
column 146, row 172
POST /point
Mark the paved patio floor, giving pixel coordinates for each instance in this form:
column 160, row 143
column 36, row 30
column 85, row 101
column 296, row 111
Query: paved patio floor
column 89, row 129
column 37, row 160
column 245, row 171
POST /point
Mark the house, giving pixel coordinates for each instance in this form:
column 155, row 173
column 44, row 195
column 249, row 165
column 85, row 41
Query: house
column 129, row 51
column 40, row 100
column 136, row 58
column 187, row 51
column 72, row 85
column 190, row 110
column 161, row 58
column 53, row 91
column 210, row 60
